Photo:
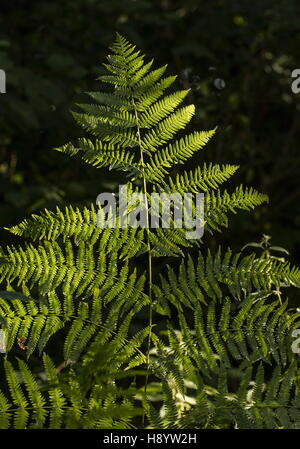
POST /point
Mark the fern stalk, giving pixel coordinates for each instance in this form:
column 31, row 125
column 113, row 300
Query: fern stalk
column 149, row 250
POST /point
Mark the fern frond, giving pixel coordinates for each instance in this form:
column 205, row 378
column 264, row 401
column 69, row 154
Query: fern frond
column 161, row 109
column 201, row 179
column 175, row 153
column 195, row 281
column 225, row 321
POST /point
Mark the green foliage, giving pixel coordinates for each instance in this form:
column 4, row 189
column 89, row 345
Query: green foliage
column 256, row 111
column 223, row 357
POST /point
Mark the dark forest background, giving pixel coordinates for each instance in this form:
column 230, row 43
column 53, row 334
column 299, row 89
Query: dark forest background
column 236, row 56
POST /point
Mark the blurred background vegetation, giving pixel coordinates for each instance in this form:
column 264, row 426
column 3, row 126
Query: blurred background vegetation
column 236, row 56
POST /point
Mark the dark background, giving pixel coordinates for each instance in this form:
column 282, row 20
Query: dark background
column 52, row 51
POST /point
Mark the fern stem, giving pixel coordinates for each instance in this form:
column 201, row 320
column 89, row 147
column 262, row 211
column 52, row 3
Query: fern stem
column 149, row 249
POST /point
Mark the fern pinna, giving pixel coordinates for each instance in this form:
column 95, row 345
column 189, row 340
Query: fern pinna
column 223, row 358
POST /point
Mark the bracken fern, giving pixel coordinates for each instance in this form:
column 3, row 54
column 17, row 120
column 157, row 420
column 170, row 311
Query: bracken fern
column 224, row 358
